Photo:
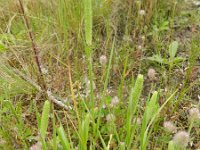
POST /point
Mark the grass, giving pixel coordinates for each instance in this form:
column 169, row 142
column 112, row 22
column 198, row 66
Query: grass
column 55, row 92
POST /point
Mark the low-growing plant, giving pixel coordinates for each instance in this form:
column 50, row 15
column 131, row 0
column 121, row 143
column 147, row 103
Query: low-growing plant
column 83, row 57
column 172, row 60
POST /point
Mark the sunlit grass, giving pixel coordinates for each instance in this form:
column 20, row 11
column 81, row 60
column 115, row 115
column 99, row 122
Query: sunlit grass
column 123, row 68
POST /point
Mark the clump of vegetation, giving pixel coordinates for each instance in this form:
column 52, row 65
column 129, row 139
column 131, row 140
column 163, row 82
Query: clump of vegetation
column 99, row 74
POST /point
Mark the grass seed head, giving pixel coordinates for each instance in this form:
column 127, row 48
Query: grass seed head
column 103, row 60
column 170, row 127
column 37, row 146
column 181, row 139
column 114, row 101
column 110, row 117
column 194, row 113
column 142, row 12
column 151, row 73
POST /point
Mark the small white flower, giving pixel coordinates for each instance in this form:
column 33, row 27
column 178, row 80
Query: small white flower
column 181, row 139
column 196, row 3
column 88, row 85
column 127, row 38
column 103, row 106
column 88, row 88
column 110, row 117
column 103, row 60
column 142, row 12
column 114, row 101
column 169, row 126
column 44, row 70
column 194, row 113
column 37, row 146
column 151, row 73
column 139, row 47
column 143, row 37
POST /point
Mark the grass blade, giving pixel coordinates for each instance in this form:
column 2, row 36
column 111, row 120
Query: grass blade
column 132, row 106
column 151, row 108
column 88, row 21
column 63, row 138
column 84, row 130
column 45, row 118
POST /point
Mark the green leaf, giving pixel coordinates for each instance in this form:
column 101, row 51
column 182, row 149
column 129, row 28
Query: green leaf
column 63, row 138
column 88, row 21
column 133, row 106
column 171, row 146
column 152, row 106
column 164, row 26
column 158, row 58
column 45, row 119
column 173, row 47
column 84, row 132
column 178, row 59
column 2, row 47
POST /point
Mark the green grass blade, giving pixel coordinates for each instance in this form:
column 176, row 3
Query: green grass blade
column 132, row 106
column 151, row 108
column 84, row 130
column 173, row 47
column 171, row 146
column 63, row 138
column 88, row 21
column 45, row 119
column 109, row 66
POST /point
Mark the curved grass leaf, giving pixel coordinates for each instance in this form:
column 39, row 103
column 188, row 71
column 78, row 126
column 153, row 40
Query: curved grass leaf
column 63, row 138
column 173, row 47
column 45, row 119
column 84, row 130
column 132, row 107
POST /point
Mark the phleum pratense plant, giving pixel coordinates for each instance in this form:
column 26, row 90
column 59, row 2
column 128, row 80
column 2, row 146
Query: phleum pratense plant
column 132, row 107
column 88, row 21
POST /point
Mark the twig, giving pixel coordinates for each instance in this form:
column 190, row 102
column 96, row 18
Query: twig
column 39, row 64
column 34, row 45
column 59, row 103
column 48, row 93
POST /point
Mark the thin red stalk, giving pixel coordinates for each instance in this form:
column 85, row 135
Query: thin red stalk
column 34, row 45
column 39, row 64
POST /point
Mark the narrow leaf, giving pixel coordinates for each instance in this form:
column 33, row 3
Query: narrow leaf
column 171, row 146
column 88, row 21
column 173, row 47
column 44, row 119
column 63, row 138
